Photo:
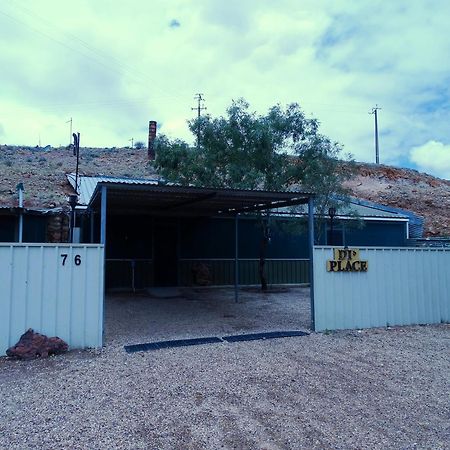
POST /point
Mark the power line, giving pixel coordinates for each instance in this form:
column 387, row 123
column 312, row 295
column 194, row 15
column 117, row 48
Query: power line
column 199, row 108
column 122, row 67
column 377, row 150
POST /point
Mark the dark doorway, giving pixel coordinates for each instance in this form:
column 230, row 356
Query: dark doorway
column 165, row 253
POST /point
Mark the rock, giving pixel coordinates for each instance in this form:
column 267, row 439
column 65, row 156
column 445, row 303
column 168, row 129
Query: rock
column 201, row 274
column 32, row 345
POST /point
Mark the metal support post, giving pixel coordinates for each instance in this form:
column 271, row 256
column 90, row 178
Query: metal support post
column 311, row 255
column 178, row 252
column 236, row 258
column 20, row 191
column 133, row 281
column 103, row 216
column 91, row 225
column 21, row 226
column 73, row 200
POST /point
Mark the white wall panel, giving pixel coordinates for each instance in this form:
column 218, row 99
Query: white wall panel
column 38, row 291
column 403, row 286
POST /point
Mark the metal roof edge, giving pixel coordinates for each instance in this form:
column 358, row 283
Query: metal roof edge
column 201, row 188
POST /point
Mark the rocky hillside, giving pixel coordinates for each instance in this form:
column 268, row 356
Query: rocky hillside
column 43, row 171
column 423, row 194
column 43, row 174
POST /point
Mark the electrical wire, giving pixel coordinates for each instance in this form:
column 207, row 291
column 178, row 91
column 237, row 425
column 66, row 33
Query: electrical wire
column 120, row 67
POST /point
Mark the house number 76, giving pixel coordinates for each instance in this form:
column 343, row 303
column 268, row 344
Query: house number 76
column 76, row 260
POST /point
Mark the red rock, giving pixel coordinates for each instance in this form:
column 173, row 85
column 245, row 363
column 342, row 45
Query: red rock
column 31, row 345
column 201, row 274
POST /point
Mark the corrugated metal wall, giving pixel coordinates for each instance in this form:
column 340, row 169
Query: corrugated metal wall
column 128, row 273
column 279, row 271
column 403, row 286
column 54, row 294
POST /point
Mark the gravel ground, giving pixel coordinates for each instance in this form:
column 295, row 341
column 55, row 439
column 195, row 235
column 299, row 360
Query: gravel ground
column 381, row 388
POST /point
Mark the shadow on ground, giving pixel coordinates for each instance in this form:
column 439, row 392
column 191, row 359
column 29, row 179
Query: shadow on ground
column 195, row 312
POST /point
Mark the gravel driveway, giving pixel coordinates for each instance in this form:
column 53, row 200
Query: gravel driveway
column 382, row 388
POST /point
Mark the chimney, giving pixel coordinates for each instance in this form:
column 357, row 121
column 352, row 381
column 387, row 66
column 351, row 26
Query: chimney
column 151, row 139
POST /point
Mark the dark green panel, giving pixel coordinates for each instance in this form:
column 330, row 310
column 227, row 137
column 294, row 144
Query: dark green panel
column 34, row 229
column 222, row 271
column 207, row 238
column 374, row 233
column 8, row 228
column 288, row 239
column 119, row 274
column 129, row 237
column 215, row 238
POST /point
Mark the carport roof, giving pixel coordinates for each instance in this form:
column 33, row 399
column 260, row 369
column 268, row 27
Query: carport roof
column 171, row 200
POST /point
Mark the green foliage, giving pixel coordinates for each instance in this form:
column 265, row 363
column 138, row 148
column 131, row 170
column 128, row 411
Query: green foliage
column 281, row 150
column 139, row 145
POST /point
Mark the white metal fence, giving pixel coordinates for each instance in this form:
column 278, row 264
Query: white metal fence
column 55, row 289
column 402, row 286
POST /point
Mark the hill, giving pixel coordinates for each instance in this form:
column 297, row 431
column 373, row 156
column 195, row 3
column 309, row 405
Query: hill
column 43, row 173
column 423, row 194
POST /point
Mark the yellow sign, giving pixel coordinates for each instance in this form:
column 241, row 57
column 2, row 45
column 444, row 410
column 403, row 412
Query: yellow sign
column 346, row 260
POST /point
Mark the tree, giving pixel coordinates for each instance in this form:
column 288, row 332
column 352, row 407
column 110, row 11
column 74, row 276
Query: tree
column 280, row 150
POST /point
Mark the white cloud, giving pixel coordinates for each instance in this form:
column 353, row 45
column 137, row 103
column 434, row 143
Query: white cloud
column 113, row 66
column 432, row 157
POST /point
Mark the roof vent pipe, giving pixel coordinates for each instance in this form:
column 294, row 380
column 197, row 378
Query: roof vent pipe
column 20, row 190
column 151, row 139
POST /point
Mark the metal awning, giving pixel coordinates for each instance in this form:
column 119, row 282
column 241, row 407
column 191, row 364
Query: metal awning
column 171, row 200
column 112, row 197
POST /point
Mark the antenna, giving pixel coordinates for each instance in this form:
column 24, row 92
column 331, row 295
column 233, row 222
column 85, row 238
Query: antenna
column 70, row 133
column 377, row 150
column 132, row 142
column 199, row 97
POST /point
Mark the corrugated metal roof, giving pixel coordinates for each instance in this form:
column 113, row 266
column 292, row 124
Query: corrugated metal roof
column 164, row 199
column 416, row 223
column 368, row 211
column 17, row 210
column 87, row 185
column 355, row 209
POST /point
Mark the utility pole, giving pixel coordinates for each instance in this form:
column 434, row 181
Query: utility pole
column 132, row 142
column 199, row 108
column 70, row 134
column 73, row 199
column 377, row 149
column 76, row 152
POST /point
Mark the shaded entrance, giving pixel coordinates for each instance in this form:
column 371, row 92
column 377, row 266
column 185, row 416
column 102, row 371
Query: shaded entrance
column 167, row 202
column 165, row 252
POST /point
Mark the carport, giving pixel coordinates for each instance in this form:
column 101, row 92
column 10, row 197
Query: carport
column 167, row 201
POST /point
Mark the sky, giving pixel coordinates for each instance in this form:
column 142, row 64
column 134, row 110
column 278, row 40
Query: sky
column 113, row 66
